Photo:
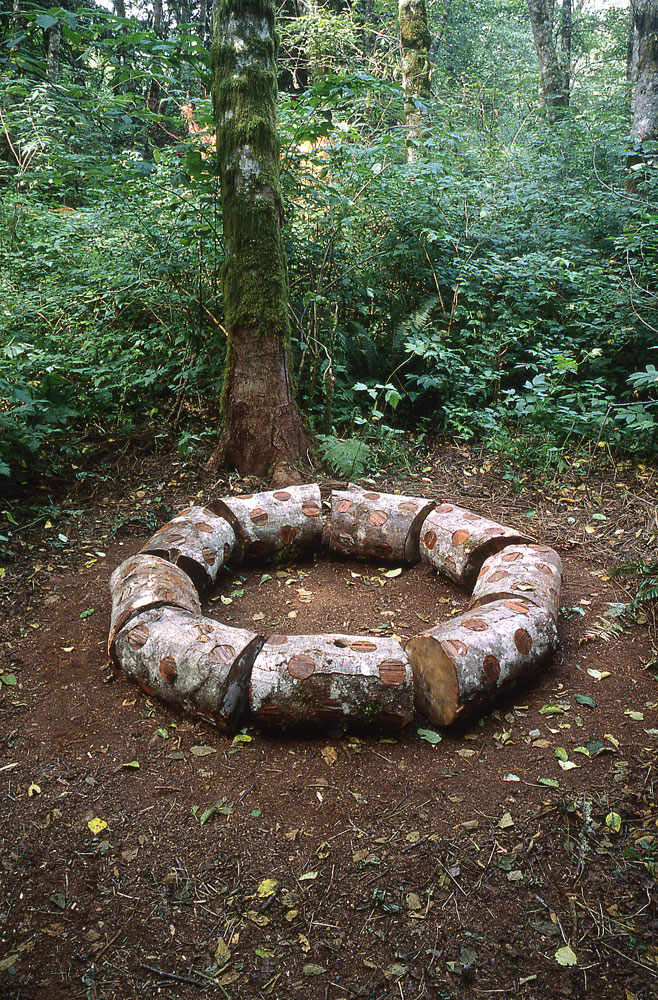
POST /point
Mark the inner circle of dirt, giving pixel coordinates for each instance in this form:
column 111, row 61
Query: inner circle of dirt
column 311, row 597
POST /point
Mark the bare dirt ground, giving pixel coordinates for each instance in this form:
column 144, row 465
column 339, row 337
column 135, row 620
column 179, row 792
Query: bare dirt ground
column 518, row 856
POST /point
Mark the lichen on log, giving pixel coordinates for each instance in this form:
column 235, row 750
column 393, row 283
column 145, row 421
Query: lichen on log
column 377, row 525
column 332, row 679
column 465, row 663
column 456, row 541
column 197, row 540
column 189, row 661
column 145, row 581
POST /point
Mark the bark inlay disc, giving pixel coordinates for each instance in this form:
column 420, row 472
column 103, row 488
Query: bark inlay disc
column 302, row 666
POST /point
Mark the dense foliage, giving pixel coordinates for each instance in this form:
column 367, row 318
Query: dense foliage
column 502, row 287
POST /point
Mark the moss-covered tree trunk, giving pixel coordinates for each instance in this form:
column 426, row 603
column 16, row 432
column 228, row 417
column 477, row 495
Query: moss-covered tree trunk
column 263, row 424
column 414, row 49
column 643, row 71
column 552, row 71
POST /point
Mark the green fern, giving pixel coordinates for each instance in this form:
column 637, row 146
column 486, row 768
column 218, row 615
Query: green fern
column 610, row 625
column 345, row 456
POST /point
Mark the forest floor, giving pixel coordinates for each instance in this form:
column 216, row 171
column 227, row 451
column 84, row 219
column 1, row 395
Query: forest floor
column 330, row 866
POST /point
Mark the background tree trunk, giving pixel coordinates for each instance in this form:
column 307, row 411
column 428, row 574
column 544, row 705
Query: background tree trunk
column 414, row 45
column 643, row 70
column 263, row 424
column 554, row 82
column 53, row 43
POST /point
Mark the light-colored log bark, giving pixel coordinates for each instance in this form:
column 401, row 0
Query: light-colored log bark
column 333, row 680
column 463, row 664
column 145, row 581
column 456, row 541
column 197, row 540
column 377, row 525
column 533, row 572
column 266, row 523
column 192, row 662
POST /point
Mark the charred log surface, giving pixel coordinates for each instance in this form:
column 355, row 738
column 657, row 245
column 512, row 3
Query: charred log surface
column 303, row 680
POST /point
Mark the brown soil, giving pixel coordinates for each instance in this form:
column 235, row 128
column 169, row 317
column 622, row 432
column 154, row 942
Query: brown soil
column 399, row 868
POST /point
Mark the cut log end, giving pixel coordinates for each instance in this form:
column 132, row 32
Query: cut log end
column 435, row 679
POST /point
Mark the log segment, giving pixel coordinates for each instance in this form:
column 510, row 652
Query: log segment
column 533, row 572
column 145, row 581
column 464, row 663
column 377, row 525
column 266, row 523
column 456, row 542
column 192, row 662
column 303, row 680
column 197, row 540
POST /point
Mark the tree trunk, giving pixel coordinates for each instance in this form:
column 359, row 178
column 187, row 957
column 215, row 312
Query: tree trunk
column 53, row 43
column 197, row 540
column 644, row 71
column 554, row 83
column 533, row 572
column 304, row 680
column 377, row 525
column 266, row 523
column 192, row 662
column 120, row 8
column 566, row 33
column 456, row 542
column 414, row 45
column 145, row 581
column 263, row 424
column 463, row 664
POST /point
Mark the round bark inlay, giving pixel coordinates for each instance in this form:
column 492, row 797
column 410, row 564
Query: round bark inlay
column 454, row 647
column 429, row 539
column 344, row 506
column 259, row 516
column 495, row 531
column 301, row 666
column 475, row 624
column 223, row 653
column 205, row 529
column 445, row 508
column 310, row 508
column 277, row 640
column 287, row 534
column 472, row 517
column 363, row 646
column 460, row 536
column 168, row 669
column 378, row 518
column 209, row 555
column 407, row 507
column 371, row 496
column 540, row 548
column 173, row 539
column 382, row 549
column 491, row 667
column 519, row 606
column 138, row 636
column 498, row 574
column 392, row 672
column 523, row 640
column 510, row 556
column 546, row 570
column 281, row 495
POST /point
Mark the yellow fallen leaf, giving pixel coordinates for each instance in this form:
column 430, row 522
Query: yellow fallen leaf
column 222, row 953
column 97, row 825
column 329, row 755
column 267, row 888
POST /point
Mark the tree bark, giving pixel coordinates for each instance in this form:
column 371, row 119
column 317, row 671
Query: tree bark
column 533, row 572
column 554, row 83
column 643, row 69
column 303, row 680
column 53, row 43
column 266, row 523
column 263, row 424
column 456, row 542
column 145, row 581
column 197, row 540
column 463, row 664
column 377, row 525
column 414, row 56
column 192, row 662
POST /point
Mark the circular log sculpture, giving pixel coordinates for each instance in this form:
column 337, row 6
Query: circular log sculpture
column 160, row 638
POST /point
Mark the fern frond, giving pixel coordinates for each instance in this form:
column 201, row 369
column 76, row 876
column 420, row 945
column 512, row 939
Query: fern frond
column 345, row 456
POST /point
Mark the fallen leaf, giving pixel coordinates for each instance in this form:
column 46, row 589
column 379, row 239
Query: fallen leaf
column 566, row 956
column 391, row 573
column 329, row 755
column 584, row 699
column 267, row 888
column 313, row 970
column 202, row 751
column 97, row 825
column 131, row 765
column 613, row 822
column 636, row 716
column 511, row 777
column 598, row 675
column 395, row 971
column 308, row 877
column 34, row 790
column 430, row 735
column 505, row 821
